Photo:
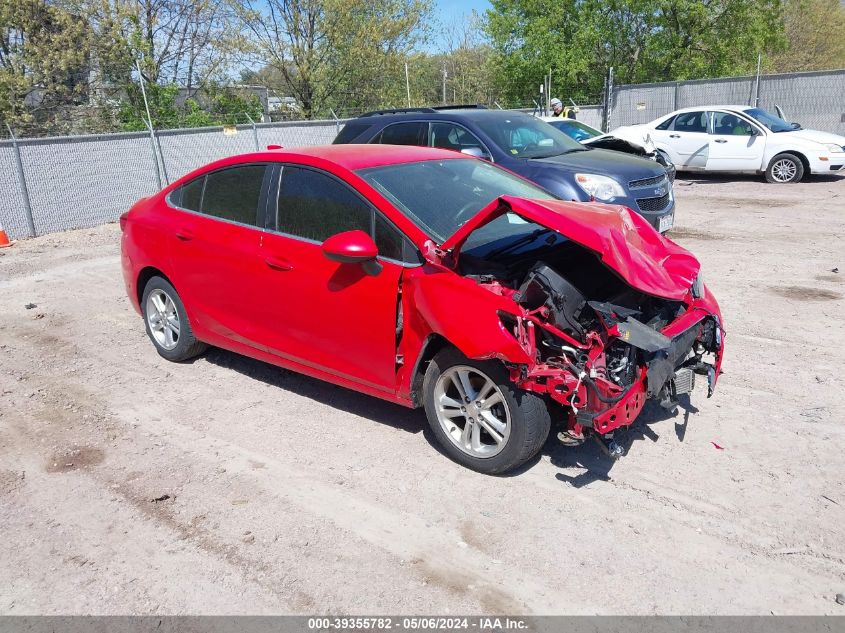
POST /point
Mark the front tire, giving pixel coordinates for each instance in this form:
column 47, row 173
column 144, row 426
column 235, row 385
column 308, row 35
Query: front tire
column 479, row 417
column 167, row 322
column 785, row 168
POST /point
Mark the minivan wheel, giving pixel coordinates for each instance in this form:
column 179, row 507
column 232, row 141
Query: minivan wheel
column 167, row 323
column 785, row 168
column 479, row 417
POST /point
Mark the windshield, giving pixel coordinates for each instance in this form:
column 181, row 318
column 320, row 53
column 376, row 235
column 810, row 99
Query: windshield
column 440, row 195
column 523, row 136
column 774, row 123
column 575, row 129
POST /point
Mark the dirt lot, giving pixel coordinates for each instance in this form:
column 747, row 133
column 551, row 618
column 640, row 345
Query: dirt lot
column 132, row 485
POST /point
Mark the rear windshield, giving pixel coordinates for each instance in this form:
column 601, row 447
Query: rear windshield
column 440, row 195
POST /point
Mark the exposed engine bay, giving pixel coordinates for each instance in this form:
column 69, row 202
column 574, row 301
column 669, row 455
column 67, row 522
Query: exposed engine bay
column 599, row 345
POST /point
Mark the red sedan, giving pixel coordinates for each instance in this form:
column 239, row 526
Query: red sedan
column 427, row 278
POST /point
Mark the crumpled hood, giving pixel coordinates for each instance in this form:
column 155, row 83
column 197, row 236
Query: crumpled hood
column 624, row 241
column 638, row 138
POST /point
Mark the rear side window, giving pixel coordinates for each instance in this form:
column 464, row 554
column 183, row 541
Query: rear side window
column 351, row 131
column 691, row 122
column 233, row 194
column 192, row 194
column 411, row 133
column 666, row 124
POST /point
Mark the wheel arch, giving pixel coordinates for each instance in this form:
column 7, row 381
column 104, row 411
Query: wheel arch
column 144, row 276
column 794, row 152
column 433, row 344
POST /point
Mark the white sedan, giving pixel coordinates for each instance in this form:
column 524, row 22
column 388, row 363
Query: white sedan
column 744, row 139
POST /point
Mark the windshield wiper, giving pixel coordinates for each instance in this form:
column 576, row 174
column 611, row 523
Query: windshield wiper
column 525, row 239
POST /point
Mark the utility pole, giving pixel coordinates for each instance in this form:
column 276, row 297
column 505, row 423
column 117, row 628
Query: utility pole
column 445, row 74
column 407, row 84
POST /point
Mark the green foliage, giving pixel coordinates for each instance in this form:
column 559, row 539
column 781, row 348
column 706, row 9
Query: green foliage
column 43, row 61
column 209, row 105
column 334, row 53
column 814, row 33
column 644, row 40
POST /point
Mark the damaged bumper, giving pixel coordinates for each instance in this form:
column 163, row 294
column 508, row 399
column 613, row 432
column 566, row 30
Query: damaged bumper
column 667, row 363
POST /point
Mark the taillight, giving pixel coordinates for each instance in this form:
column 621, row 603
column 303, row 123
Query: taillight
column 124, row 217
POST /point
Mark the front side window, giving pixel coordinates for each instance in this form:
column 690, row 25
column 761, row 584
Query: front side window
column 691, row 122
column 315, row 206
column 727, row 124
column 454, row 137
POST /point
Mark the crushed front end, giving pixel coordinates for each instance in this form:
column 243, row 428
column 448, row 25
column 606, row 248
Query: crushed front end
column 600, row 345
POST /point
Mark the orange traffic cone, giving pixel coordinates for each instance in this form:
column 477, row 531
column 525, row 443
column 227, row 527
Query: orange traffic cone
column 4, row 238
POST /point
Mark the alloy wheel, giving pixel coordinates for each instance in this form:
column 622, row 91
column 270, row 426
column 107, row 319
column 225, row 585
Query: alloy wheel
column 163, row 319
column 784, row 170
column 472, row 410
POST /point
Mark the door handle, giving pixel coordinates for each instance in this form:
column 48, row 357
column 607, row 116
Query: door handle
column 185, row 234
column 720, row 140
column 278, row 263
column 674, row 136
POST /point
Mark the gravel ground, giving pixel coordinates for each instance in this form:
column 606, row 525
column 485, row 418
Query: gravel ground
column 130, row 485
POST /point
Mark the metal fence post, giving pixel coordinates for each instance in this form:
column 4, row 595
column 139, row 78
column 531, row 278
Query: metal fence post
column 155, row 154
column 27, row 208
column 336, row 122
column 608, row 100
column 677, row 94
column 254, row 131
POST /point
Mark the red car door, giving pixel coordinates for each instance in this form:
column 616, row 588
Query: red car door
column 324, row 314
column 214, row 251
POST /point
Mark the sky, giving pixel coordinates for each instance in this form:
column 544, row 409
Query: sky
column 448, row 11
column 453, row 9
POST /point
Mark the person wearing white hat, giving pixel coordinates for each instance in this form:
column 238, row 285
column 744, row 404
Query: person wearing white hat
column 559, row 111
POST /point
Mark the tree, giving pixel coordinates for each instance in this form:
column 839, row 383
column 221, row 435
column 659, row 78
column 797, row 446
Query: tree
column 43, row 60
column 644, row 40
column 332, row 53
column 813, row 32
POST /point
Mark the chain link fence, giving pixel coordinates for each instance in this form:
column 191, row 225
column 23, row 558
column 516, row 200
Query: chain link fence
column 82, row 181
column 59, row 183
column 816, row 100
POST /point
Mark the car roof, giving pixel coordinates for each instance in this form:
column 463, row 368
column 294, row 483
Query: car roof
column 443, row 114
column 353, row 156
column 739, row 108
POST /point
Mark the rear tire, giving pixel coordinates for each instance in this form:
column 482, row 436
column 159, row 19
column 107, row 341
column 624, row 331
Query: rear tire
column 479, row 417
column 785, row 168
column 167, row 322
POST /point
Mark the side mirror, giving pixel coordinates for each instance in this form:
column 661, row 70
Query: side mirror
column 795, row 126
column 476, row 151
column 353, row 247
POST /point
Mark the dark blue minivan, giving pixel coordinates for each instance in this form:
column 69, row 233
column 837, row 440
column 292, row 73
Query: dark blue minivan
column 531, row 148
